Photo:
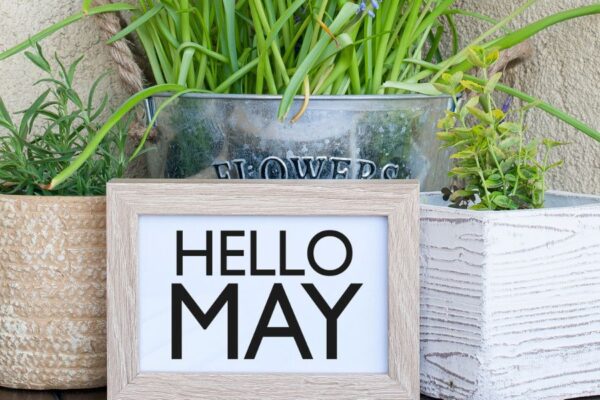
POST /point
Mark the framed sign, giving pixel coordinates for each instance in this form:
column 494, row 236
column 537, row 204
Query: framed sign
column 263, row 290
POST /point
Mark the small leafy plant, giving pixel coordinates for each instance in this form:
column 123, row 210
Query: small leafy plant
column 497, row 165
column 54, row 130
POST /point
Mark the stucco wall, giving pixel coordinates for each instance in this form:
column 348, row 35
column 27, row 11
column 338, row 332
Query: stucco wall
column 564, row 71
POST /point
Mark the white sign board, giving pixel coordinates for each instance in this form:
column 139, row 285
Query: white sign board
column 262, row 290
column 263, row 294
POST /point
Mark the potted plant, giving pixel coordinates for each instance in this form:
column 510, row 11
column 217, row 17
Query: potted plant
column 510, row 274
column 227, row 76
column 52, row 243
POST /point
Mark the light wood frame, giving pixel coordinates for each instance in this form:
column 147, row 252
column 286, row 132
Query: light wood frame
column 396, row 200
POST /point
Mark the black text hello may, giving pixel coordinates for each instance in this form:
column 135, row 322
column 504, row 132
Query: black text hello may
column 180, row 297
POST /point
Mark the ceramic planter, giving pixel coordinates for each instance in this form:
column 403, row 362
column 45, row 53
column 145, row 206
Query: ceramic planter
column 339, row 137
column 52, row 292
column 510, row 301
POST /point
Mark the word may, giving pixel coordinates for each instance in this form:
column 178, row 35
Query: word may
column 229, row 298
column 306, row 168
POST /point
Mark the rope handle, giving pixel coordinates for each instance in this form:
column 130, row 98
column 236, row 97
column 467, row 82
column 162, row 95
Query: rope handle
column 129, row 71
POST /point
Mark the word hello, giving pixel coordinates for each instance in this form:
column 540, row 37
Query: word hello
column 228, row 298
column 305, row 168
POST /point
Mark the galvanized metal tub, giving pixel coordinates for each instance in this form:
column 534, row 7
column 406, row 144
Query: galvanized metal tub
column 338, row 137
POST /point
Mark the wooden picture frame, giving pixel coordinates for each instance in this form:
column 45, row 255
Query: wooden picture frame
column 395, row 200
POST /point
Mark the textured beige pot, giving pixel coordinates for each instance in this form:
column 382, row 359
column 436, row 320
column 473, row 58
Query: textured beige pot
column 52, row 292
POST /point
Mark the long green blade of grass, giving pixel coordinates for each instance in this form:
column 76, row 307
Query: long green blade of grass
column 347, row 12
column 108, row 125
column 229, row 7
column 157, row 113
column 525, row 33
column 563, row 116
column 136, row 23
column 115, row 7
column 509, row 40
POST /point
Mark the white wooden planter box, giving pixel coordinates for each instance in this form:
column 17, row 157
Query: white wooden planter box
column 510, row 301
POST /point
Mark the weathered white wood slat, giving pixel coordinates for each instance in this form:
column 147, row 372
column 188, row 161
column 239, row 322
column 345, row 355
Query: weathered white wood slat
column 510, row 302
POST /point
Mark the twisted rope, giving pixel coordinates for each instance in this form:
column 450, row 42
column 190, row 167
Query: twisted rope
column 129, row 71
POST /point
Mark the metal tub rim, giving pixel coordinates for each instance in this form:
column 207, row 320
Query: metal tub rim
column 374, row 97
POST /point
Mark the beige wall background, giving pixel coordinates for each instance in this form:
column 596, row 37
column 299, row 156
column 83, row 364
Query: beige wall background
column 565, row 71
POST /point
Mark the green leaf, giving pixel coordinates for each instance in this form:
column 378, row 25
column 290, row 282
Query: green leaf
column 92, row 92
column 421, row 88
column 29, row 114
column 456, row 78
column 476, row 56
column 446, row 89
column 511, row 127
column 446, row 136
column 204, row 50
column 473, row 101
column 135, row 24
column 481, row 115
column 103, row 131
column 490, row 86
column 519, row 36
column 551, row 144
column 114, row 7
column 491, row 57
column 151, row 124
column 346, row 13
column 531, row 105
column 504, row 202
column 510, row 178
column 4, row 112
column 70, row 73
column 463, row 133
column 39, row 61
column 343, row 40
column 465, row 171
column 509, row 142
column 472, row 86
column 461, row 155
column 498, row 114
column 492, row 184
column 554, row 165
column 480, row 207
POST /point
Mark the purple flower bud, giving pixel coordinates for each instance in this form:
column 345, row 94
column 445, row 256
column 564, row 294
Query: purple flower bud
column 361, row 7
column 507, row 104
column 375, row 4
column 371, row 13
